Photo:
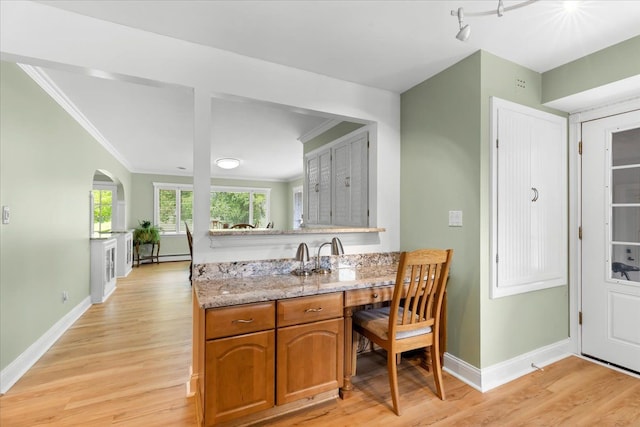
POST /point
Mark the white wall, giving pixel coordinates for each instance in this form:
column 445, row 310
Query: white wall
column 42, row 35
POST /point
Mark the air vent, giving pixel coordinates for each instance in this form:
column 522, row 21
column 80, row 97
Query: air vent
column 521, row 84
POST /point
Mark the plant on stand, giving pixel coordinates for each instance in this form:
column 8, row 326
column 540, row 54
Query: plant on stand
column 147, row 234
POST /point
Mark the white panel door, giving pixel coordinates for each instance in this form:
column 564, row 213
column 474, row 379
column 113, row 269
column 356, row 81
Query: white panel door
column 611, row 239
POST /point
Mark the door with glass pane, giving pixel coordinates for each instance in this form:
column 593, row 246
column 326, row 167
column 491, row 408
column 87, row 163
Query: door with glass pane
column 611, row 239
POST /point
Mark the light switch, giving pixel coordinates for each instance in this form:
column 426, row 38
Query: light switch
column 455, row 218
column 5, row 214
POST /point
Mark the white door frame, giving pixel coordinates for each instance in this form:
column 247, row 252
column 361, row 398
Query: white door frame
column 575, row 201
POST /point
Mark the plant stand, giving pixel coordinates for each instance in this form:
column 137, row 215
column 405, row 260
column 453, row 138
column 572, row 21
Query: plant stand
column 155, row 253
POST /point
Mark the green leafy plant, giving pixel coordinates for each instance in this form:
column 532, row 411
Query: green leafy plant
column 146, row 233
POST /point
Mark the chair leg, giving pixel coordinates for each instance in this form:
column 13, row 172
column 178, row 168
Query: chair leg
column 393, row 382
column 436, row 364
column 355, row 338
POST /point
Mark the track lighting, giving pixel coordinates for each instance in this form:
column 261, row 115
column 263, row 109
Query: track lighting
column 465, row 30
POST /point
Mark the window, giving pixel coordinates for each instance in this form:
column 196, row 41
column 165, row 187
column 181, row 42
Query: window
column 240, row 205
column 102, row 204
column 297, row 207
column 173, row 207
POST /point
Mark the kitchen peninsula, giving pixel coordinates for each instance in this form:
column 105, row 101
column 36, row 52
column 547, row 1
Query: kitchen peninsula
column 267, row 342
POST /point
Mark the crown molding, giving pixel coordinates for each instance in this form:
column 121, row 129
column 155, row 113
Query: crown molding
column 319, row 130
column 48, row 85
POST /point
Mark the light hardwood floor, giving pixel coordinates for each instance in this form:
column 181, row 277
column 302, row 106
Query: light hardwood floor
column 126, row 363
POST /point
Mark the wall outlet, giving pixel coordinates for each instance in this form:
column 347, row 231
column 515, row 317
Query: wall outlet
column 65, row 296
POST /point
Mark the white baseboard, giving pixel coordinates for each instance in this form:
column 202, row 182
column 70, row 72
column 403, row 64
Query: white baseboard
column 463, row 371
column 509, row 370
column 16, row 369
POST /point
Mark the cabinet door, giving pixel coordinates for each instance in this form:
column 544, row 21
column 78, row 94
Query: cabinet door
column 529, row 213
column 318, row 180
column 310, row 359
column 239, row 376
column 350, row 185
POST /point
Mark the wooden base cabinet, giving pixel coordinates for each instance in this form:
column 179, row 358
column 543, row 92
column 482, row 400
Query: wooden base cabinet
column 261, row 360
column 239, row 361
column 239, row 376
column 310, row 356
column 310, row 359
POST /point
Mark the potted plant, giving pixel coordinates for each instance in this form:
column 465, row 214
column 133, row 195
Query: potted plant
column 143, row 235
column 146, row 233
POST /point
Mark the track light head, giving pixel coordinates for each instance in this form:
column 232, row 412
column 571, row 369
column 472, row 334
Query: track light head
column 500, row 10
column 464, row 33
column 465, row 30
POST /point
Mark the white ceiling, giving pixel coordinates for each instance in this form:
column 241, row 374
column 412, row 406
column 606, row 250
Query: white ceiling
column 392, row 45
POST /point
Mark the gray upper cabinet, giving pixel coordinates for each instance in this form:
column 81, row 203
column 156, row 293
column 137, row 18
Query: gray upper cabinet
column 337, row 182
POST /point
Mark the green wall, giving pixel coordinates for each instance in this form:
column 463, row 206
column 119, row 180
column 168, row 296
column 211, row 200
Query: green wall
column 445, row 166
column 608, row 65
column 440, row 171
column 47, row 165
column 516, row 324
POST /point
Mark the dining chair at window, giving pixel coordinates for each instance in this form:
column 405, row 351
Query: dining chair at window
column 412, row 321
column 190, row 241
column 242, row 226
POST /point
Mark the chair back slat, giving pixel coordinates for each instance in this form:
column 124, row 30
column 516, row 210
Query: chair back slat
column 423, row 275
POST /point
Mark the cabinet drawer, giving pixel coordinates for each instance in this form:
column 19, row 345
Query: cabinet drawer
column 368, row 296
column 309, row 309
column 241, row 319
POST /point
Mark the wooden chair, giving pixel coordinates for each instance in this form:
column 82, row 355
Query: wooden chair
column 412, row 320
column 242, row 226
column 190, row 241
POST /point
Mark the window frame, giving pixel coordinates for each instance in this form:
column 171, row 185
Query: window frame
column 251, row 190
column 157, row 186
column 99, row 185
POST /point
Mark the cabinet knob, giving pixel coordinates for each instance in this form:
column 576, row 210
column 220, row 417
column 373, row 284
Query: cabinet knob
column 375, row 295
column 313, row 310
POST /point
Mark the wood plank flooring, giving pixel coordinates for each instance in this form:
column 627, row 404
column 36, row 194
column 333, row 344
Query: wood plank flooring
column 126, row 363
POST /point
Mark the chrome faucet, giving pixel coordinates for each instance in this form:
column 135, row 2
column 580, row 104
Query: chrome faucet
column 336, row 249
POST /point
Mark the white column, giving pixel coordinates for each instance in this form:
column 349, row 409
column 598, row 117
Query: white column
column 201, row 172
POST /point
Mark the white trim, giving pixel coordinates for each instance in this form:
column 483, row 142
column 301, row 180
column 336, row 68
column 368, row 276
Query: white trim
column 501, row 373
column 463, row 371
column 319, row 130
column 44, row 81
column 18, row 367
column 509, row 370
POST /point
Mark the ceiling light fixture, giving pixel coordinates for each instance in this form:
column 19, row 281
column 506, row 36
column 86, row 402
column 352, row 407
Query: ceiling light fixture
column 228, row 163
column 465, row 30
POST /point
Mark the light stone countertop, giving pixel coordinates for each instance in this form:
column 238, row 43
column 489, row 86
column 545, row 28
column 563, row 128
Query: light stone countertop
column 226, row 292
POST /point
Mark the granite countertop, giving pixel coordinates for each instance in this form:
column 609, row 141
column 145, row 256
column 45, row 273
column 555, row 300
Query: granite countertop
column 213, row 293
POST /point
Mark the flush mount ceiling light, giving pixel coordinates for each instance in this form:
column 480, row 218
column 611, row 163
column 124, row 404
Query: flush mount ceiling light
column 228, row 163
column 465, row 30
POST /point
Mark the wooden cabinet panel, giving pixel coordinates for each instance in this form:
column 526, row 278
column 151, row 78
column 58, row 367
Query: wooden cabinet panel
column 239, row 376
column 309, row 309
column 241, row 319
column 310, row 359
column 368, row 296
